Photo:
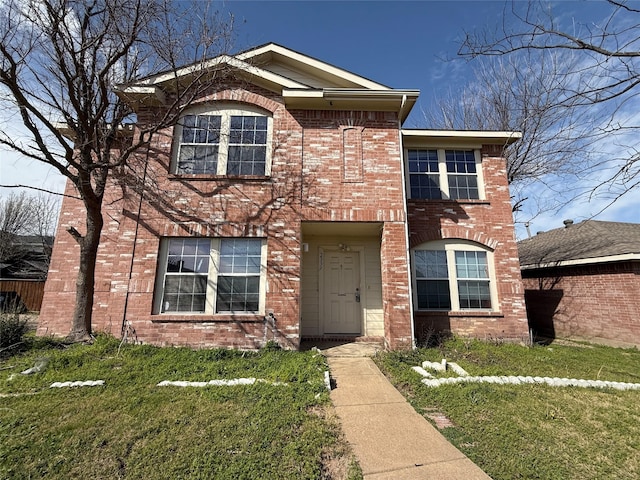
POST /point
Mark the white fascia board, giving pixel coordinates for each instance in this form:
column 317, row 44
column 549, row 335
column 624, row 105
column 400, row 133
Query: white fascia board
column 401, row 101
column 627, row 257
column 354, row 93
column 305, row 60
column 329, row 94
column 302, row 93
column 141, row 91
column 67, row 132
column 482, row 136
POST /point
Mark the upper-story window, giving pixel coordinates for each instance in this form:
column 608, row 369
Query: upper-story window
column 448, row 174
column 223, row 141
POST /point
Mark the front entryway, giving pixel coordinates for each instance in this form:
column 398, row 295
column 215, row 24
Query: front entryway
column 341, row 264
column 341, row 281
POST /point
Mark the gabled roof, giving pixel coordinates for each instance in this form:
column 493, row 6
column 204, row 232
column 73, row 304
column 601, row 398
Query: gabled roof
column 310, row 71
column 587, row 242
column 303, row 81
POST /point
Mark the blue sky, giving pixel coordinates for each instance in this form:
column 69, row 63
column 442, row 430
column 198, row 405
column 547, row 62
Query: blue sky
column 397, row 43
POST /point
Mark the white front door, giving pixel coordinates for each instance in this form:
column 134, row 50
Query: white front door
column 341, row 276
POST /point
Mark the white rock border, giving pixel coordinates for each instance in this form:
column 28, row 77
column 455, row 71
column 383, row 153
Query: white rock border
column 464, row 377
column 218, row 383
column 513, row 380
column 442, row 367
column 87, row 383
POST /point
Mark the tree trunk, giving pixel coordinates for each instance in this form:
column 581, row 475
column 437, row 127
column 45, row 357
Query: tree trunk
column 85, row 283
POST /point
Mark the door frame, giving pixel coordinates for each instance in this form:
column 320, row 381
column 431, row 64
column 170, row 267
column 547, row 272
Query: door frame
column 363, row 296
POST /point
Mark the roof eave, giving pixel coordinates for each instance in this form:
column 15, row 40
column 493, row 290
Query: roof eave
column 401, row 101
column 626, row 257
column 478, row 136
column 151, row 91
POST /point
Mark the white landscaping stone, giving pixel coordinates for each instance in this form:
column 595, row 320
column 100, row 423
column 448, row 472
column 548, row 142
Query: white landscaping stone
column 433, row 366
column 87, row 383
column 422, row 372
column 458, row 369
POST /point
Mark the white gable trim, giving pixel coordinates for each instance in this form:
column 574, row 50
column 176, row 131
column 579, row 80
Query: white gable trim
column 158, row 80
column 305, row 62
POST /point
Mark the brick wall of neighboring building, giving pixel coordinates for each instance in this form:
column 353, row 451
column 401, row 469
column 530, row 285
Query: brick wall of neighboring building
column 489, row 223
column 599, row 302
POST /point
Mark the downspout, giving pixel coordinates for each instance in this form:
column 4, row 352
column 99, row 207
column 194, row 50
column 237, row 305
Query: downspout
column 135, row 242
column 406, row 220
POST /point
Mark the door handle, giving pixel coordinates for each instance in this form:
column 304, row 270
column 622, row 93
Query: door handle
column 358, row 295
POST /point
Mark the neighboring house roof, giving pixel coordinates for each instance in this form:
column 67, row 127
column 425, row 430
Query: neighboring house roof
column 303, row 82
column 587, row 242
column 27, row 257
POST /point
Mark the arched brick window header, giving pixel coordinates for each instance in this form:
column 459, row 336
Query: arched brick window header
column 240, row 96
column 451, row 233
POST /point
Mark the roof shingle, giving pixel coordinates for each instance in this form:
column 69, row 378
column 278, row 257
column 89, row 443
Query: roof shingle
column 590, row 239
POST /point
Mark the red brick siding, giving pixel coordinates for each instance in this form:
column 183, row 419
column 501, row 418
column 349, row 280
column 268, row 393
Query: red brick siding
column 306, row 183
column 313, row 178
column 595, row 302
column 490, row 223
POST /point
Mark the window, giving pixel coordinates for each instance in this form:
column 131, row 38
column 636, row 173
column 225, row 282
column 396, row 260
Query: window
column 247, row 145
column 199, row 143
column 453, row 276
column 239, row 275
column 203, row 275
column 224, row 141
column 461, row 174
column 432, row 279
column 423, row 174
column 185, row 285
column 473, row 279
column 451, row 174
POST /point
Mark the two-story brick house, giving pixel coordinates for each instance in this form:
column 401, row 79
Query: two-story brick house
column 290, row 203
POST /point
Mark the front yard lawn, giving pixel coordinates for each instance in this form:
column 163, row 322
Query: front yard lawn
column 532, row 431
column 131, row 428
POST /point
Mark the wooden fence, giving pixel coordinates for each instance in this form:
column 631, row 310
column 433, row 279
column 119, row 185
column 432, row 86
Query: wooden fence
column 30, row 292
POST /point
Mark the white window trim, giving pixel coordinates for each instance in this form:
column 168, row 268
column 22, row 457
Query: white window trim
column 212, row 279
column 443, row 175
column 226, row 111
column 450, row 247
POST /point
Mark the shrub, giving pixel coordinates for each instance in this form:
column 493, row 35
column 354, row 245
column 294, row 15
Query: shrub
column 12, row 329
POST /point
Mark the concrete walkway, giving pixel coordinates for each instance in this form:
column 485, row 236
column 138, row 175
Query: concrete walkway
column 390, row 440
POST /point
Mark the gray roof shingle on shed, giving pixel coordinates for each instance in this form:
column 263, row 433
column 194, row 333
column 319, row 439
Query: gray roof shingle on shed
column 590, row 239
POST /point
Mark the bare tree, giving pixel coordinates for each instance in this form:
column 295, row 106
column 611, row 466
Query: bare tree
column 524, row 93
column 26, row 215
column 16, row 214
column 603, row 78
column 61, row 62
